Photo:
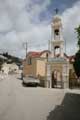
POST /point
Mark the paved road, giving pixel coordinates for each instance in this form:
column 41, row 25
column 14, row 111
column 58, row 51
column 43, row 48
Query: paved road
column 23, row 103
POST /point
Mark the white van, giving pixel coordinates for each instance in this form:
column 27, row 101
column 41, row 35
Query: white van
column 31, row 81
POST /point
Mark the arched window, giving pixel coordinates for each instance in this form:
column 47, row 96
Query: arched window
column 47, row 55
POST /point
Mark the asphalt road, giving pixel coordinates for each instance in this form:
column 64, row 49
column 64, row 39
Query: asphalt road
column 24, row 103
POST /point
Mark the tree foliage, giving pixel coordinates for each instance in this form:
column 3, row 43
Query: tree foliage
column 12, row 59
column 77, row 56
column 78, row 35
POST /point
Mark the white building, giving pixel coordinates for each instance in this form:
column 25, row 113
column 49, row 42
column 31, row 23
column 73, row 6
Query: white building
column 10, row 68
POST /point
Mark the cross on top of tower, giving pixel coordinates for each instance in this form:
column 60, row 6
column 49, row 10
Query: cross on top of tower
column 56, row 10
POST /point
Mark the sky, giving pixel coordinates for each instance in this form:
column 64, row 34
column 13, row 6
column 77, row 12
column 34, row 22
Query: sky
column 29, row 21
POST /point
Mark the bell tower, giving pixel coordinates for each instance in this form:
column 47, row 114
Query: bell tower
column 57, row 67
column 57, row 42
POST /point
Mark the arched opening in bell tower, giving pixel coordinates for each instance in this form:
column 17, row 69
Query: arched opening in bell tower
column 57, row 51
column 56, row 34
column 56, row 31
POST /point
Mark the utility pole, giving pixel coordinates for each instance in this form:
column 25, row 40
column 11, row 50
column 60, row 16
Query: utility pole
column 26, row 48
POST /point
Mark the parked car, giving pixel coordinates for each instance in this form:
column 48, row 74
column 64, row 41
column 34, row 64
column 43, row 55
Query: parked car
column 31, row 81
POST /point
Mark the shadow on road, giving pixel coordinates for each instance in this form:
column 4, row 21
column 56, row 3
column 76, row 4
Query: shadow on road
column 19, row 78
column 68, row 110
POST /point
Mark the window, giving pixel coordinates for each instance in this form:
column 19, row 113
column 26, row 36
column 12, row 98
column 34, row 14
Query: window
column 29, row 61
column 46, row 55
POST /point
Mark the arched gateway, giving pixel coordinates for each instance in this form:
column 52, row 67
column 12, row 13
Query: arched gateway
column 56, row 79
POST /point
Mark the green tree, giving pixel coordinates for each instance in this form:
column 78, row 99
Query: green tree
column 77, row 55
column 78, row 35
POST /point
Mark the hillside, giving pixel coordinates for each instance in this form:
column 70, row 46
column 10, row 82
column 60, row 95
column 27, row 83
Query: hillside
column 5, row 57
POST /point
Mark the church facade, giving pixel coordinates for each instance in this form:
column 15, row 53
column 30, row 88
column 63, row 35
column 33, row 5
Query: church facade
column 51, row 66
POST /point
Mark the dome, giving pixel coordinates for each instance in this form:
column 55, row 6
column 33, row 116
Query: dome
column 56, row 22
column 56, row 18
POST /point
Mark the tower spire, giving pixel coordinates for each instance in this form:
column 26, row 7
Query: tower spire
column 56, row 10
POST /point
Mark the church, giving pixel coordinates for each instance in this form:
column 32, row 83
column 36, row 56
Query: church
column 51, row 66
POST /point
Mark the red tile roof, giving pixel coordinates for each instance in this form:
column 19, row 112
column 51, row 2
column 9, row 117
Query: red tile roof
column 72, row 58
column 34, row 54
column 37, row 54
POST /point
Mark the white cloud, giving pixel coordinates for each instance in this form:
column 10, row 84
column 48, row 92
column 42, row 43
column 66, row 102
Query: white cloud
column 71, row 20
column 16, row 26
column 37, row 8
